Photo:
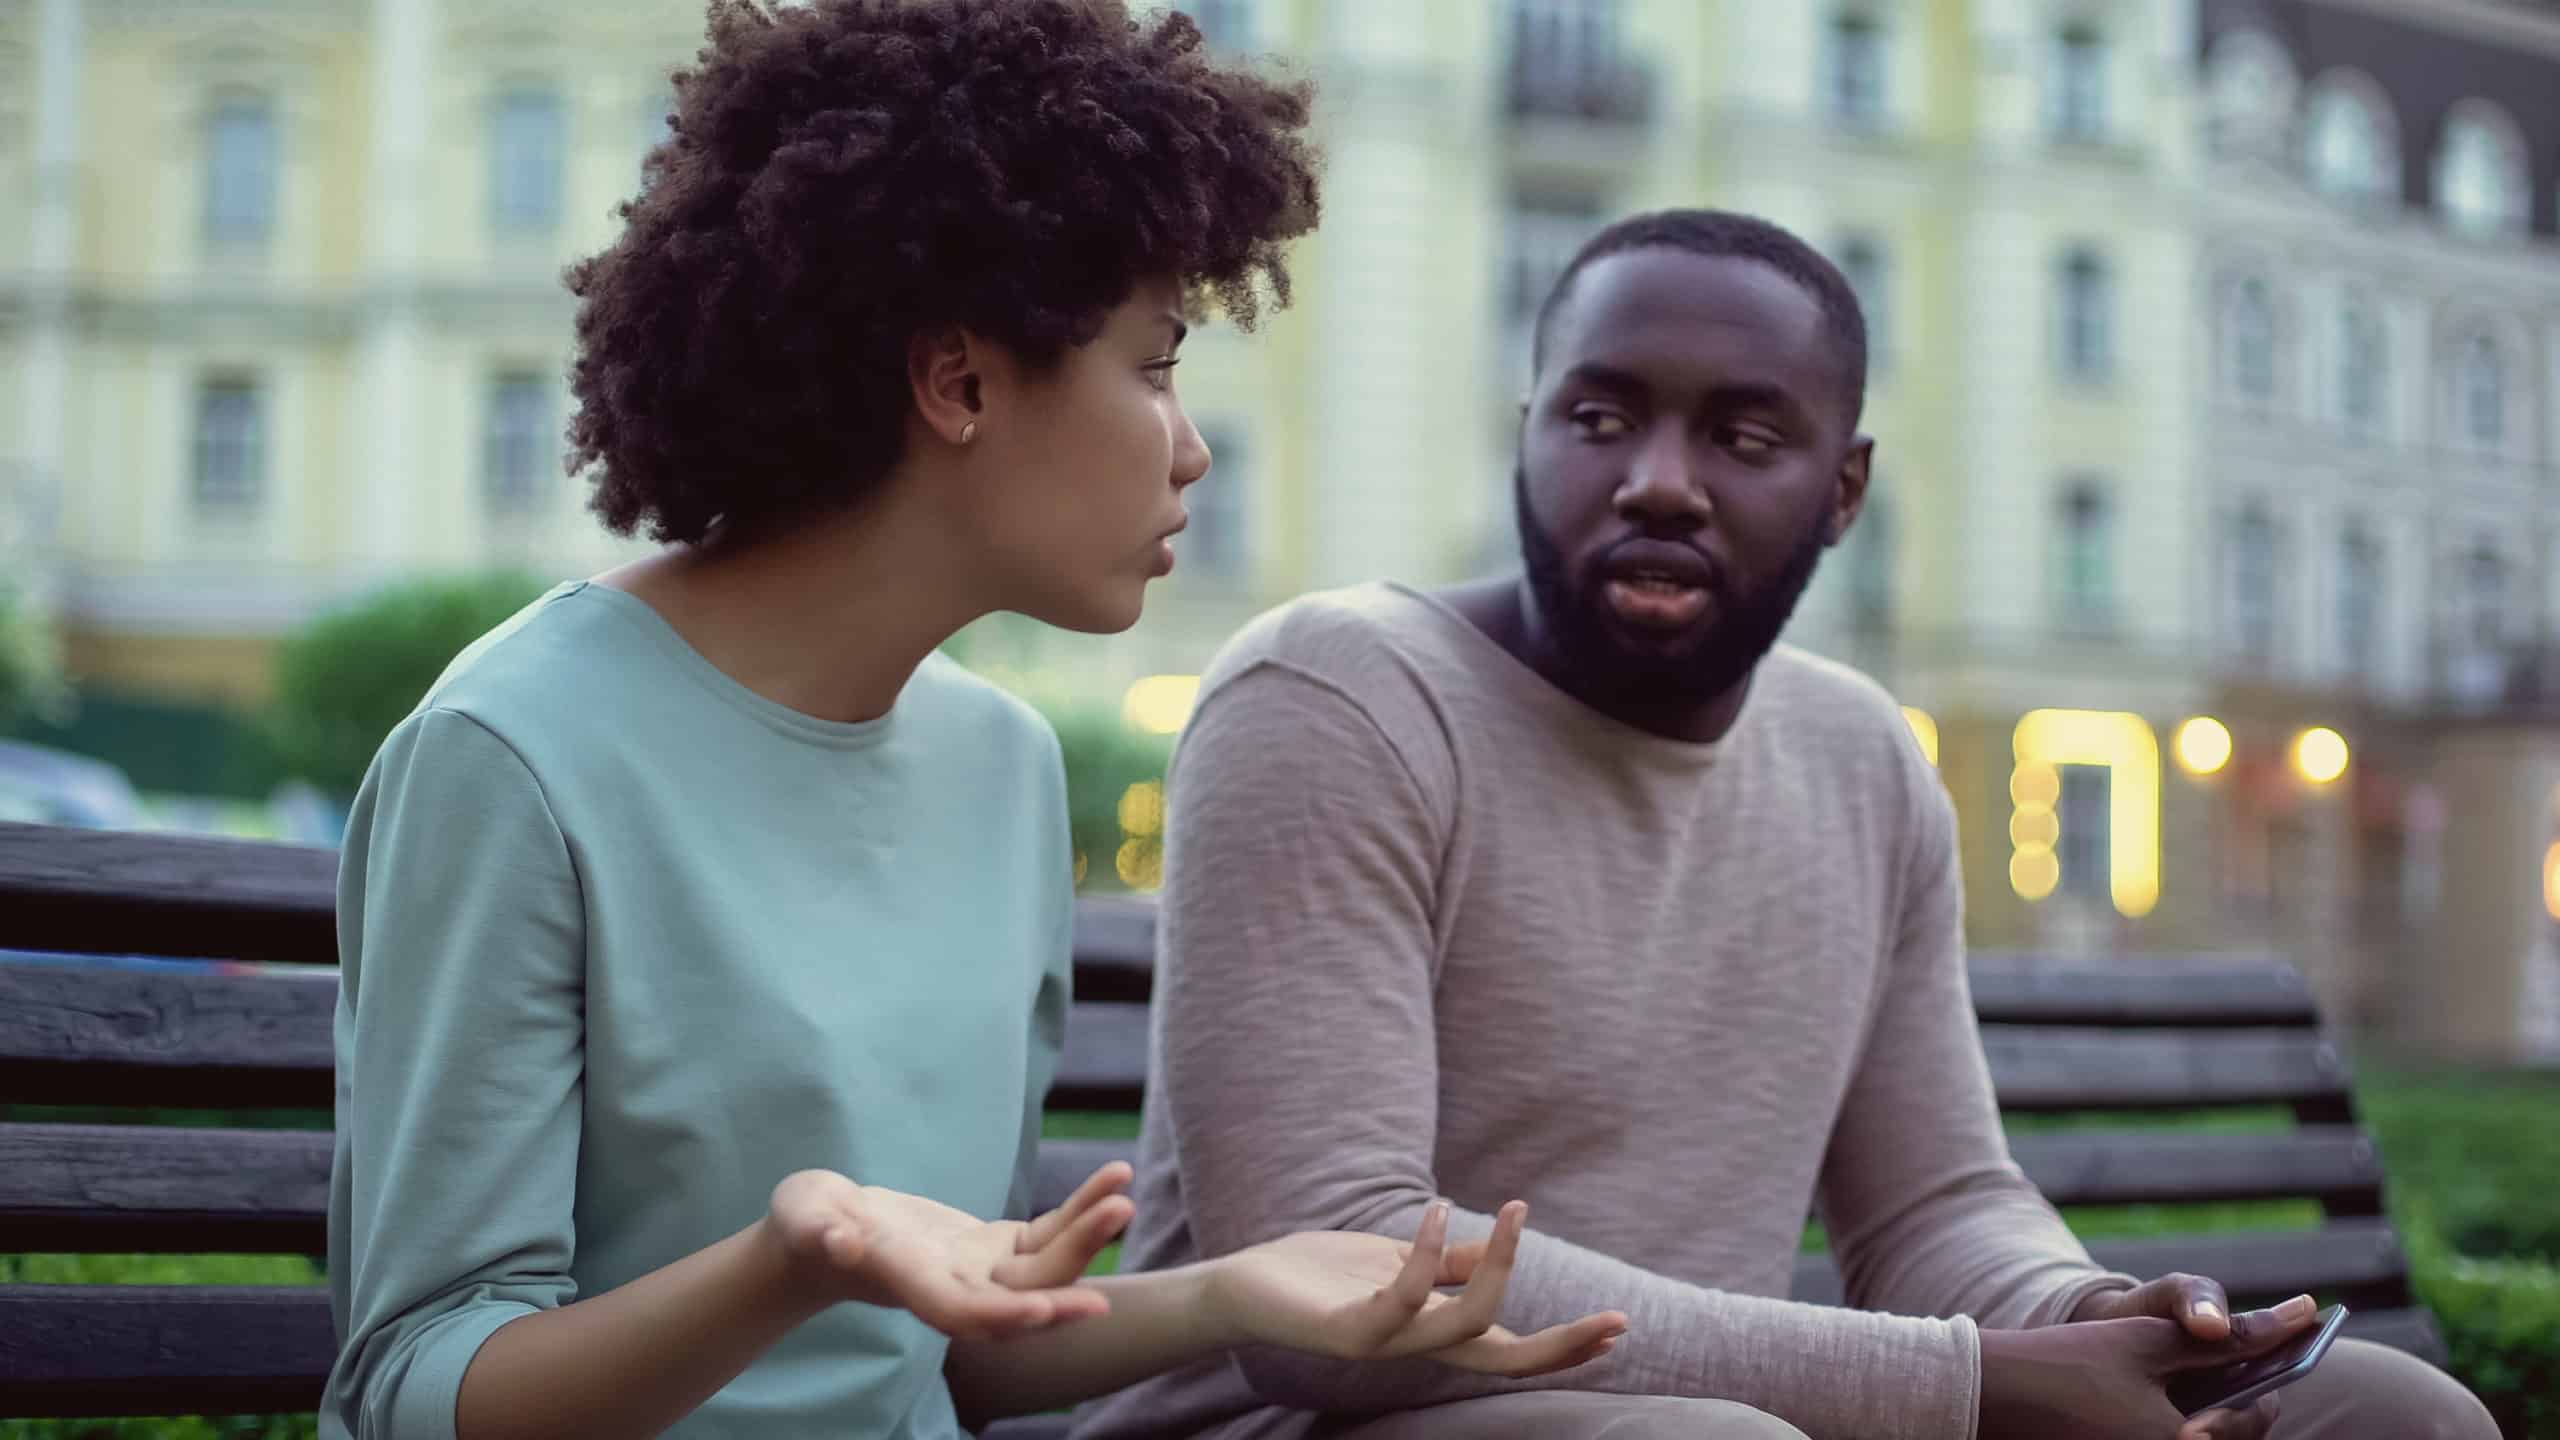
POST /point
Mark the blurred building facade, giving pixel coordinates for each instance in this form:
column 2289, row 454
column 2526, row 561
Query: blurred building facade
column 2217, row 374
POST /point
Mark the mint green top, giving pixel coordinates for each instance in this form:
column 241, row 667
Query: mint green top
column 623, row 944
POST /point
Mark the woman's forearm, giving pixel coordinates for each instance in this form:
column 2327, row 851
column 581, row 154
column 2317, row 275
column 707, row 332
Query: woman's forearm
column 1159, row 1320
column 642, row 1356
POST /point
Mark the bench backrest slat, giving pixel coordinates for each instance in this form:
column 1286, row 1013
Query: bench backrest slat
column 118, row 893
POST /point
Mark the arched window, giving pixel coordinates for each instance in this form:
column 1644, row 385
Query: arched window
column 2249, row 90
column 526, row 156
column 2480, row 172
column 2351, row 151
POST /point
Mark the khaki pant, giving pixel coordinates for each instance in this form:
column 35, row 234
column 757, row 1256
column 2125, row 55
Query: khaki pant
column 2360, row 1392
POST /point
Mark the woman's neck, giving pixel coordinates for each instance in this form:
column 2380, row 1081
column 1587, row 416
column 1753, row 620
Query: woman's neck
column 830, row 617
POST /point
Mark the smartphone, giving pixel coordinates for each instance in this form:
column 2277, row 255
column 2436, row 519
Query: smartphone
column 2231, row 1387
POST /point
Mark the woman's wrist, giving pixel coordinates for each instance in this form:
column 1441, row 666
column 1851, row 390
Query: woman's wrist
column 786, row 1287
column 1189, row 1300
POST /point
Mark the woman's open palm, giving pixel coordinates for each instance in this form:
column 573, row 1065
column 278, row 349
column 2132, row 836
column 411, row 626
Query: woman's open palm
column 969, row 1278
column 1361, row 1296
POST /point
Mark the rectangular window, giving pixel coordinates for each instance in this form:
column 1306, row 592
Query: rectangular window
column 1857, row 70
column 2080, row 85
column 1226, row 24
column 525, row 155
column 1217, row 544
column 2360, row 602
column 1870, row 275
column 517, row 448
column 230, row 447
column 1568, row 57
column 2250, row 582
column 2088, row 317
column 240, row 173
column 2085, row 576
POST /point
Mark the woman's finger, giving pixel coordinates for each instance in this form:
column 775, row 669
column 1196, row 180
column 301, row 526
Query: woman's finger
column 1558, row 1347
column 1070, row 1251
column 1473, row 1311
column 1110, row 1180
column 1368, row 1325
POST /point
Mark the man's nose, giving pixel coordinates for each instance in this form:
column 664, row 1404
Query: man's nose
column 1661, row 487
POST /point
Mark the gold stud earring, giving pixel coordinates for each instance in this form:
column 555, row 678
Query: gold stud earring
column 969, row 432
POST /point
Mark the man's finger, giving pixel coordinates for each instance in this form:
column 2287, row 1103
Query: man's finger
column 2202, row 1306
column 1070, row 1251
column 2253, row 1331
column 2255, row 1422
column 1110, row 1180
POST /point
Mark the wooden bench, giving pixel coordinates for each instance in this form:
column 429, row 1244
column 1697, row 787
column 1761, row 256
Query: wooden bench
column 2171, row 1034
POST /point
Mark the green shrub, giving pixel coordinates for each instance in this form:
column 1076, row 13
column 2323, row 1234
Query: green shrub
column 31, row 680
column 347, row 678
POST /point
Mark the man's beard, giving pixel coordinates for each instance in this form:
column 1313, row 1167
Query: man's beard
column 1706, row 664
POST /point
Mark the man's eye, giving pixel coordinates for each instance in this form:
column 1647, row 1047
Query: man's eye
column 1599, row 424
column 1751, row 444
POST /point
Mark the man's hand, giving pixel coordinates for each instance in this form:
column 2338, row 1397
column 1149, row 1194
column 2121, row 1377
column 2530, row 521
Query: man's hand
column 2106, row 1379
column 2199, row 1306
column 1360, row 1296
column 971, row 1279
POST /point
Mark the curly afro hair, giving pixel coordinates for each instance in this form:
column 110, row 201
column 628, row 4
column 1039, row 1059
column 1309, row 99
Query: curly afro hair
column 847, row 174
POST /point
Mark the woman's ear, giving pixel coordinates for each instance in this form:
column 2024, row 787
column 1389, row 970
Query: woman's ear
column 943, row 380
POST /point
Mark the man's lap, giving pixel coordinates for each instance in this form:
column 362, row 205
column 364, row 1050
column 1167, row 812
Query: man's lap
column 2360, row 1392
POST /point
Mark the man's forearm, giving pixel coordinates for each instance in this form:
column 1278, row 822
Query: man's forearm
column 638, row 1358
column 1159, row 1321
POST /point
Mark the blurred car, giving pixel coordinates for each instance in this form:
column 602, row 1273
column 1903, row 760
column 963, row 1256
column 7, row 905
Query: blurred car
column 40, row 785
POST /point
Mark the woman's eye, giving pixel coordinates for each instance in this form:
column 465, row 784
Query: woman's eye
column 1160, row 373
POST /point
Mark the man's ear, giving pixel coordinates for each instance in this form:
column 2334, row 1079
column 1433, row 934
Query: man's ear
column 1849, row 493
column 943, row 380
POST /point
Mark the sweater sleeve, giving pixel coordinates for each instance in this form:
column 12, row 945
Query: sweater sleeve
column 1927, row 1213
column 460, row 1037
column 1297, row 1052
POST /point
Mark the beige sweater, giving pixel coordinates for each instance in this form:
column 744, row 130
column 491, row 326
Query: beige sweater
column 1432, row 927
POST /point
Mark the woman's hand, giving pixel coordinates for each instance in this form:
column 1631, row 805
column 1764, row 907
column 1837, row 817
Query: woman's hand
column 1361, row 1296
column 971, row 1279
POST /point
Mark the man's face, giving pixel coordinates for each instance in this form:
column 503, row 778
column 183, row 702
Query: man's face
column 1687, row 455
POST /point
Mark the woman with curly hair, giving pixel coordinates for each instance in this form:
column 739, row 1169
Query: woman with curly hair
column 704, row 935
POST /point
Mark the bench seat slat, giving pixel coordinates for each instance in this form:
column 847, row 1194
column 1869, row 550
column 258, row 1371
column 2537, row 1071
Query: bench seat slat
column 117, row 1188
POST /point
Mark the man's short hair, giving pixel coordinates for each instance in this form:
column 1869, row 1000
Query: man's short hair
column 1722, row 234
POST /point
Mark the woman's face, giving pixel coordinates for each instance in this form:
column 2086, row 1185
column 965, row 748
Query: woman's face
column 1085, row 468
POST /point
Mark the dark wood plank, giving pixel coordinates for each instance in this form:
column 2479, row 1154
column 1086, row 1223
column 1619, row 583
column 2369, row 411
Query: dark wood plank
column 1104, row 1066
column 1115, row 948
column 75, row 1034
column 2335, row 1165
column 1064, row 1164
column 2043, row 1068
column 118, row 892
column 2193, row 991
column 161, row 1350
column 2256, row 1267
column 140, row 1188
